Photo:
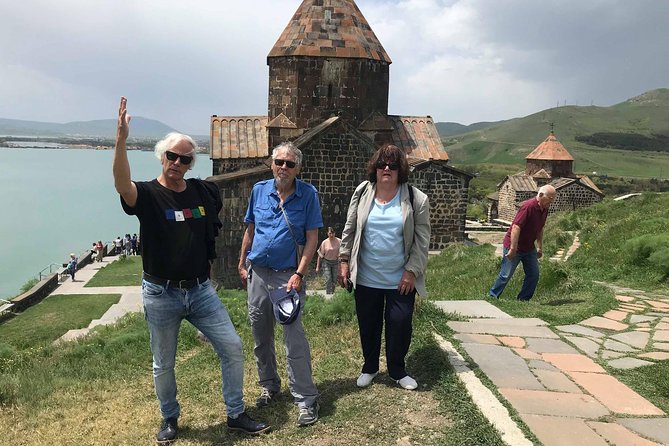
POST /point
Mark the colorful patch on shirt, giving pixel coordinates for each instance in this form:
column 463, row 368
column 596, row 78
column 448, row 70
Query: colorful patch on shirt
column 184, row 214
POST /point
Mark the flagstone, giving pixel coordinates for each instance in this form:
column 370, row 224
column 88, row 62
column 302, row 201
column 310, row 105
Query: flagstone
column 512, row 341
column 602, row 322
column 587, row 346
column 608, row 354
column 623, row 298
column 619, row 435
column 573, row 362
column 656, row 314
column 661, row 336
column 635, row 339
column 636, row 318
column 541, row 402
column 539, row 345
column 472, row 308
column 660, row 356
column 556, row 381
column 562, row 431
column 644, row 329
column 502, row 329
column 526, row 354
column 653, row 428
column 504, row 368
column 628, row 363
column 662, row 326
column 613, row 394
column 476, row 338
column 581, row 330
column 618, row 346
column 599, row 341
column 661, row 345
column 516, row 322
column 657, row 305
column 665, row 319
column 538, row 364
column 616, row 315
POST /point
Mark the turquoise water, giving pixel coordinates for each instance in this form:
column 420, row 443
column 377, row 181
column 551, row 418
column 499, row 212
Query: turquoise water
column 57, row 201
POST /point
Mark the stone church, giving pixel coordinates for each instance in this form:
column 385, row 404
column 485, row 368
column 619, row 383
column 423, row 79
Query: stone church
column 549, row 163
column 328, row 94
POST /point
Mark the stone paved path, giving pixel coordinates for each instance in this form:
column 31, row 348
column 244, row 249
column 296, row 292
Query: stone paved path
column 130, row 301
column 550, row 377
column 561, row 255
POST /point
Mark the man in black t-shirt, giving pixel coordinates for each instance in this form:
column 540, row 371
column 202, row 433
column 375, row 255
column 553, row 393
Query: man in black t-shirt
column 178, row 226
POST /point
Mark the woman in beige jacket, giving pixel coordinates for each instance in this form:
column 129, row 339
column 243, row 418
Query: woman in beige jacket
column 383, row 256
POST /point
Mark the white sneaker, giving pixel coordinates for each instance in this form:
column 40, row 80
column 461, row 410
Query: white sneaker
column 365, row 379
column 406, row 383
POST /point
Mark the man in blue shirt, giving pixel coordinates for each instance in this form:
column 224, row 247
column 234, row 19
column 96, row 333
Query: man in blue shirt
column 283, row 217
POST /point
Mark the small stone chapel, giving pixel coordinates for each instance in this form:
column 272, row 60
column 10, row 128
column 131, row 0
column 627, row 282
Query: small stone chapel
column 549, row 163
column 328, row 94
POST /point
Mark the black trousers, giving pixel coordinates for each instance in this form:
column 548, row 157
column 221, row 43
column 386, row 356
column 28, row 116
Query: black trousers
column 373, row 306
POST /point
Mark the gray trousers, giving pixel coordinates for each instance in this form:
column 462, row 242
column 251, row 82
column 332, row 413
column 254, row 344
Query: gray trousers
column 298, row 354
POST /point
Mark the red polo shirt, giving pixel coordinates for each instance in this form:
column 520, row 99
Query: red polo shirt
column 531, row 220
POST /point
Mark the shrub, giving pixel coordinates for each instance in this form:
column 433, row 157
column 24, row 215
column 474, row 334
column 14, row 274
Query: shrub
column 28, row 285
column 641, row 248
column 660, row 259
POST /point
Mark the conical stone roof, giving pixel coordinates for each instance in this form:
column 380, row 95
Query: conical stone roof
column 550, row 149
column 329, row 28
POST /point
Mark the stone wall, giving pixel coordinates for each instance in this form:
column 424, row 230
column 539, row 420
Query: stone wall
column 235, row 192
column 573, row 197
column 223, row 166
column 307, row 90
column 447, row 190
column 507, row 200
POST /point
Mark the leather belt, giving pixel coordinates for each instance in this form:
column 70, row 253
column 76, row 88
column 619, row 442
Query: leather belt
column 169, row 283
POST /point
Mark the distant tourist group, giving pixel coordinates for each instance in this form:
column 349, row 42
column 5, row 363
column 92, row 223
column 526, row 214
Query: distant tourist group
column 129, row 246
column 381, row 258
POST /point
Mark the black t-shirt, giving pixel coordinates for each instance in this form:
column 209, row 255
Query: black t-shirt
column 172, row 230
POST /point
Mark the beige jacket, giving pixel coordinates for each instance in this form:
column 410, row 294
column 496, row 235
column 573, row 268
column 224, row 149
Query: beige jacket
column 416, row 230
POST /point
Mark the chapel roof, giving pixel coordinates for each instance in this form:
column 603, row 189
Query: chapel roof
column 239, row 137
column 418, row 137
column 329, row 28
column 550, row 149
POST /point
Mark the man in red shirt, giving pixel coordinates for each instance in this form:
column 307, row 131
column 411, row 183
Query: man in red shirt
column 519, row 244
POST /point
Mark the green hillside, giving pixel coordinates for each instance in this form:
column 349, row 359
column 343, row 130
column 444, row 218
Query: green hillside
column 508, row 142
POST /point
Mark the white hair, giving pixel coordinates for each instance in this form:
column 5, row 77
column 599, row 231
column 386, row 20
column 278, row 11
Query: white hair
column 291, row 148
column 546, row 189
column 171, row 140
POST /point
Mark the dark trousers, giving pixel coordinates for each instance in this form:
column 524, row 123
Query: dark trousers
column 373, row 306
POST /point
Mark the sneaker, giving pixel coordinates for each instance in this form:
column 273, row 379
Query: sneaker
column 168, row 431
column 266, row 397
column 408, row 383
column 244, row 423
column 308, row 415
column 365, row 379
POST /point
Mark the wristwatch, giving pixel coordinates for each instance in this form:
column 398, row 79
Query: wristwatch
column 299, row 274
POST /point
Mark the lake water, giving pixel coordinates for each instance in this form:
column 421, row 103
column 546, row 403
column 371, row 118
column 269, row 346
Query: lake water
column 57, row 201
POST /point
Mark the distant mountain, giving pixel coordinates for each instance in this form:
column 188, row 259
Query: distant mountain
column 453, row 128
column 104, row 128
column 592, row 135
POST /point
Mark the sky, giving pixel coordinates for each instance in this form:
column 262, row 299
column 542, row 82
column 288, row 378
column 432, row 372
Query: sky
column 461, row 61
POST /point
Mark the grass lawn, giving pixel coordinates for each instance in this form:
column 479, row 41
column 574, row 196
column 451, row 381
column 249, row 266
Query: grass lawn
column 100, row 391
column 42, row 324
column 123, row 272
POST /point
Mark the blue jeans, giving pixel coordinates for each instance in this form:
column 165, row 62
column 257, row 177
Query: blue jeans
column 531, row 268
column 164, row 309
column 330, row 268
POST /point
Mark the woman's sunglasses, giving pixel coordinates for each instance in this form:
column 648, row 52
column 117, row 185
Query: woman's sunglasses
column 289, row 164
column 184, row 159
column 382, row 165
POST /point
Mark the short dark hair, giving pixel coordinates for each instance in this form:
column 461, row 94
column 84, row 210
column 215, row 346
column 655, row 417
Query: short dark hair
column 389, row 154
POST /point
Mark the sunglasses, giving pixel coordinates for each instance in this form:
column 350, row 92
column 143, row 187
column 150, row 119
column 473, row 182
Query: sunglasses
column 185, row 159
column 382, row 165
column 289, row 164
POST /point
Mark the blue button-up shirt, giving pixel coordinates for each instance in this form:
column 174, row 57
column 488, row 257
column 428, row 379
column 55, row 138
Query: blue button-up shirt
column 273, row 244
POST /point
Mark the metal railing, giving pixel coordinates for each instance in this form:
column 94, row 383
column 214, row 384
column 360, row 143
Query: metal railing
column 50, row 268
